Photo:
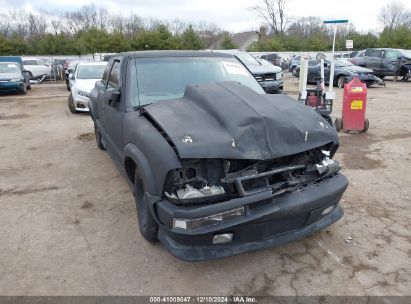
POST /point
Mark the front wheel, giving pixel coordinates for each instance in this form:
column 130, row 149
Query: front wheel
column 294, row 71
column 24, row 90
column 70, row 103
column 146, row 223
column 98, row 137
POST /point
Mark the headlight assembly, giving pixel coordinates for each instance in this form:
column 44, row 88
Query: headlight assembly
column 83, row 93
column 214, row 219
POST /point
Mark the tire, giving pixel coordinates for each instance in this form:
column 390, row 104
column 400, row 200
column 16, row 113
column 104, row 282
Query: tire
column 146, row 223
column 70, row 103
column 28, row 87
column 294, row 71
column 98, row 138
column 341, row 82
column 338, row 124
column 366, row 124
column 24, row 91
column 381, row 77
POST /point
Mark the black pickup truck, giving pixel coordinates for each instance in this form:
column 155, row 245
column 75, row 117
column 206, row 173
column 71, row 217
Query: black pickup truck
column 217, row 167
column 388, row 62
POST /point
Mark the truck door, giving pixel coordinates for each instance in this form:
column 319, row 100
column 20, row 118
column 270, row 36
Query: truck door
column 389, row 62
column 373, row 60
column 113, row 103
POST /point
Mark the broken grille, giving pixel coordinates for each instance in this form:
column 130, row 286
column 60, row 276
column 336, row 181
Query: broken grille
column 277, row 180
column 265, row 77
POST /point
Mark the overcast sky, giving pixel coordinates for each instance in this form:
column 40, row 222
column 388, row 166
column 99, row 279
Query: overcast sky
column 231, row 15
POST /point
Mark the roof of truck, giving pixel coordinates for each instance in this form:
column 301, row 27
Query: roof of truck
column 153, row 54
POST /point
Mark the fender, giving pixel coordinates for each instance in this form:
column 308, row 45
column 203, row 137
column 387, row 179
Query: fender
column 133, row 152
column 91, row 109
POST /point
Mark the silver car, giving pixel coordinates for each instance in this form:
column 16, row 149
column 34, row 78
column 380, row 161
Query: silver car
column 82, row 81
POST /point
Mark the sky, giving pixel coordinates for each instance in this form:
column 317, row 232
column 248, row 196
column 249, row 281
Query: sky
column 231, row 15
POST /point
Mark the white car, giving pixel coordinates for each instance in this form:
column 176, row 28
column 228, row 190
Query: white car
column 82, row 81
column 36, row 67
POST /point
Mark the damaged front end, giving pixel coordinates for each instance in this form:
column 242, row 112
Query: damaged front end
column 213, row 208
column 213, row 180
column 264, row 178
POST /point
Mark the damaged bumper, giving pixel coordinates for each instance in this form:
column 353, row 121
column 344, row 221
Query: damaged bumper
column 265, row 220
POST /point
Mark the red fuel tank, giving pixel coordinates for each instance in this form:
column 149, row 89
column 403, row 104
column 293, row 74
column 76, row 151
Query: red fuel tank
column 354, row 106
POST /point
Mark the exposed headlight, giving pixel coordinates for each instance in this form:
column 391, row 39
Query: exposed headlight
column 279, row 75
column 82, row 93
column 328, row 165
column 15, row 80
column 191, row 224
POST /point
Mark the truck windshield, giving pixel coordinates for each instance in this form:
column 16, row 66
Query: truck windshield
column 90, row 71
column 164, row 78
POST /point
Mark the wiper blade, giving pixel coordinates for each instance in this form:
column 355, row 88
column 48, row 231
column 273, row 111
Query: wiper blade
column 136, row 108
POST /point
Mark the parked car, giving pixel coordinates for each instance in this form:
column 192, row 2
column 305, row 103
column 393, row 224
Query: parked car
column 295, row 63
column 344, row 72
column 82, row 81
column 388, row 62
column 12, row 78
column 276, row 59
column 18, row 60
column 36, row 67
column 358, row 59
column 71, row 66
column 268, row 75
column 217, row 167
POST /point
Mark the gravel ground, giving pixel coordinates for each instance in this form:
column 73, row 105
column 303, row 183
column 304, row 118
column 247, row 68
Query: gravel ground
column 68, row 222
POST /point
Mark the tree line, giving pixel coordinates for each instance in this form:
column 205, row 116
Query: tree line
column 310, row 34
column 92, row 29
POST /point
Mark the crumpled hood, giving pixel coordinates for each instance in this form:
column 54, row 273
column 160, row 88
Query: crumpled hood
column 230, row 121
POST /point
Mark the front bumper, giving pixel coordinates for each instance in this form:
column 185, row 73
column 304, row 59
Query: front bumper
column 268, row 220
column 272, row 87
column 81, row 103
column 11, row 86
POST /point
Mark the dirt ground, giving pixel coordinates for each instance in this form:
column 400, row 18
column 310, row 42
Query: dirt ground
column 68, row 222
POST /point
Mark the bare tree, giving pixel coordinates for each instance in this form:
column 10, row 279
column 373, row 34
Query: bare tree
column 273, row 12
column 305, row 27
column 394, row 15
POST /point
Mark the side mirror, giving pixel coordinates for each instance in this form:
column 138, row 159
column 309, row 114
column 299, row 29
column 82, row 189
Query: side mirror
column 114, row 97
column 71, row 76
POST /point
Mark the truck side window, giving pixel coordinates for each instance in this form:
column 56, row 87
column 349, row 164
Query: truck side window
column 114, row 77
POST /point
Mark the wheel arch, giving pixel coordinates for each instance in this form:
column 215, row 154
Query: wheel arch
column 134, row 159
